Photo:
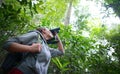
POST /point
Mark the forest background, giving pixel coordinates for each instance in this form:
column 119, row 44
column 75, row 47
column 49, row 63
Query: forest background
column 91, row 41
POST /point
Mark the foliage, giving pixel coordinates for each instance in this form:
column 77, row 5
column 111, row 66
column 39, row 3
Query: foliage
column 62, row 67
column 114, row 37
column 82, row 54
column 15, row 18
column 113, row 4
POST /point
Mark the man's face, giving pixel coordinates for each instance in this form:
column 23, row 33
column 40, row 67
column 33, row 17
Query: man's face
column 47, row 33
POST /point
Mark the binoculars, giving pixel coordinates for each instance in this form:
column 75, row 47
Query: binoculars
column 53, row 40
column 55, row 30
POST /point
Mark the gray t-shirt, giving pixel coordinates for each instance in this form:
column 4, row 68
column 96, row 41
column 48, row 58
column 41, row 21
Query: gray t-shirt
column 34, row 63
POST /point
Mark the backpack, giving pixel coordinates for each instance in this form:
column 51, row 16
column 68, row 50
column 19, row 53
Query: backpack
column 11, row 60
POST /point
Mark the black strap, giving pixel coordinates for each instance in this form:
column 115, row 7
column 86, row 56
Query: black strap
column 50, row 41
column 41, row 36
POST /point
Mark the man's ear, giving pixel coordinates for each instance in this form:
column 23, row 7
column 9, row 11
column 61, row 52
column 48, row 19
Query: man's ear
column 43, row 31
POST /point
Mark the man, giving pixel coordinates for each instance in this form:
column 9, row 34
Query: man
column 36, row 53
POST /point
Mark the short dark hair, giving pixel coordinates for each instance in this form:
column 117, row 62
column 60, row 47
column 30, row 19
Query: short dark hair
column 40, row 29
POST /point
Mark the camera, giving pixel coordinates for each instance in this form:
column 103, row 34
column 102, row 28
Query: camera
column 53, row 40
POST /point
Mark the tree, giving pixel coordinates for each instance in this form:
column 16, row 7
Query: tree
column 67, row 19
column 114, row 4
column 71, row 3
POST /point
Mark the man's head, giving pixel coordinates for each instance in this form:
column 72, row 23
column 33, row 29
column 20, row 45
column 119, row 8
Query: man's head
column 47, row 34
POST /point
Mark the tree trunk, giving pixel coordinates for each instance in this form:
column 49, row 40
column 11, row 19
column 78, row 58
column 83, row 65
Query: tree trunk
column 68, row 14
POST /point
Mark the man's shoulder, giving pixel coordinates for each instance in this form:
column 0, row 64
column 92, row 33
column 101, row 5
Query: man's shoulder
column 32, row 32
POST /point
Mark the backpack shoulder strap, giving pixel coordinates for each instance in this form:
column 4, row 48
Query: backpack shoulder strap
column 41, row 36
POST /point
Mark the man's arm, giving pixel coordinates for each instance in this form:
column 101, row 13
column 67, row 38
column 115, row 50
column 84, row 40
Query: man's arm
column 60, row 51
column 24, row 43
column 60, row 45
column 16, row 47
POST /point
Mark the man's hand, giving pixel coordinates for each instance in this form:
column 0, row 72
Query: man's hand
column 60, row 45
column 56, row 36
column 35, row 47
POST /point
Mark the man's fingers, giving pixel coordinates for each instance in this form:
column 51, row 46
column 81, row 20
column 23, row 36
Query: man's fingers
column 39, row 47
column 36, row 47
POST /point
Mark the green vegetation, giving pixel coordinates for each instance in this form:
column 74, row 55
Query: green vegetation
column 95, row 53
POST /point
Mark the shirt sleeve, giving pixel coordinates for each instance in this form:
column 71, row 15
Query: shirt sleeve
column 55, row 52
column 27, row 39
